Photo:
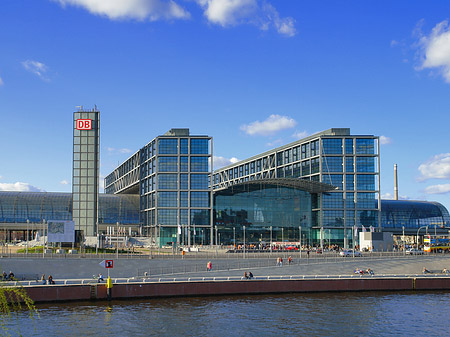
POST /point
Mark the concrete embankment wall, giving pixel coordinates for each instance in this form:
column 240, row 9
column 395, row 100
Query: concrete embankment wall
column 63, row 293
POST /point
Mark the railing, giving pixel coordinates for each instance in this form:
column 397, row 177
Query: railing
column 68, row 282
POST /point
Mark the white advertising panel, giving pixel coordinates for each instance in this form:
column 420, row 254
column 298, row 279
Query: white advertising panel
column 61, row 231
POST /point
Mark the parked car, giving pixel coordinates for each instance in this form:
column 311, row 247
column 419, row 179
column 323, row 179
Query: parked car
column 414, row 251
column 349, row 253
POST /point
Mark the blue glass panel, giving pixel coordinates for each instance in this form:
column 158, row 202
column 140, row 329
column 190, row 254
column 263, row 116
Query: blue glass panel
column 168, row 146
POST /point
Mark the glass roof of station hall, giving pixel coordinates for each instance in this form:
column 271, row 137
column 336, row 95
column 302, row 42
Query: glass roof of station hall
column 301, row 184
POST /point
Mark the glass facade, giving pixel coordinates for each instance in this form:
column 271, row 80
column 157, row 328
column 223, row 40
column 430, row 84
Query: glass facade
column 86, row 162
column 348, row 162
column 259, row 209
column 173, row 177
column 18, row 207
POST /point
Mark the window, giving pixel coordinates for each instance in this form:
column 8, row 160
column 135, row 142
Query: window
column 279, row 158
column 364, row 146
column 184, row 202
column 365, row 164
column 331, row 164
column 199, row 181
column 332, row 200
column 168, row 146
column 199, row 146
column 349, row 146
column 200, row 199
column 184, row 146
column 184, row 181
column 167, row 216
column 365, row 182
column 366, row 200
column 199, row 164
column 331, row 146
column 349, row 164
column 315, row 167
column 184, row 164
column 333, row 179
column 349, row 182
column 168, row 164
column 306, row 168
column 167, row 199
column 350, row 201
column 167, row 181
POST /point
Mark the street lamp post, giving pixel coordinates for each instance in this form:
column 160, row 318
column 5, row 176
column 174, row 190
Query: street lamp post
column 43, row 237
column 300, row 240
column 234, row 237
column 403, row 239
column 117, row 240
column 28, row 222
column 417, row 237
column 270, row 239
column 244, row 243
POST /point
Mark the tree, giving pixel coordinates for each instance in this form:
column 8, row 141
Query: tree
column 14, row 299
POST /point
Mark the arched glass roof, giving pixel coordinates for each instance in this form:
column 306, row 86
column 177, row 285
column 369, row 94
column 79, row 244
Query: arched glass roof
column 18, row 207
column 302, row 184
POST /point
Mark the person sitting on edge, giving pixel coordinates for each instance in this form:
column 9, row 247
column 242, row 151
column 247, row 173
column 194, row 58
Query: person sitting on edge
column 426, row 271
column 245, row 275
column 11, row 275
column 250, row 275
column 4, row 276
column 50, row 279
column 100, row 277
column 43, row 279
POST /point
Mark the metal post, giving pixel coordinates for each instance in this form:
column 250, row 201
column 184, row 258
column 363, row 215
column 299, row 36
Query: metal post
column 159, row 240
column 270, row 239
column 28, row 222
column 117, row 240
column 234, row 237
column 216, row 234
column 244, row 243
column 300, row 240
column 403, row 239
column 43, row 237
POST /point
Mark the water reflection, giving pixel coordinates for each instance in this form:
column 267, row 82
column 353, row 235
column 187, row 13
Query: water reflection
column 345, row 314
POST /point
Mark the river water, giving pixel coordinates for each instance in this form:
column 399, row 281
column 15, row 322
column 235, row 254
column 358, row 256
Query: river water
column 324, row 314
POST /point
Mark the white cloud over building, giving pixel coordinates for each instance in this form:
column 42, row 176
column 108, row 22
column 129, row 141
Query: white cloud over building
column 270, row 126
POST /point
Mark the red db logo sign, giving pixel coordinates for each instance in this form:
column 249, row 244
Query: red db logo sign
column 84, row 124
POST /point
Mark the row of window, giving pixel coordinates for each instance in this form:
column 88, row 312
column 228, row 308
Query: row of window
column 307, row 167
column 170, row 164
column 173, row 217
column 181, row 199
column 364, row 200
column 174, row 181
column 171, row 146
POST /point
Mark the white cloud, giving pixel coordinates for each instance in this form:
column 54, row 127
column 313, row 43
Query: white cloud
column 385, row 140
column 19, row 187
column 222, row 161
column 438, row 189
column 1, row 81
column 131, row 9
column 389, row 196
column 434, row 49
column 113, row 150
column 300, row 134
column 64, row 182
column 270, row 126
column 233, row 12
column 437, row 167
column 37, row 68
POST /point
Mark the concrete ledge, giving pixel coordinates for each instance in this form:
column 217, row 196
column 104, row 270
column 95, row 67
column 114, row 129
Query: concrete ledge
column 63, row 293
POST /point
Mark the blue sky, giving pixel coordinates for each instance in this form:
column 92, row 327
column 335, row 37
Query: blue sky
column 253, row 74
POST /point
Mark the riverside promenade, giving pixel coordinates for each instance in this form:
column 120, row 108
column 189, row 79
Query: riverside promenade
column 160, row 276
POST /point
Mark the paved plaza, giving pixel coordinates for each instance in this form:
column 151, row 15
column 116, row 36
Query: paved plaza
column 222, row 265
